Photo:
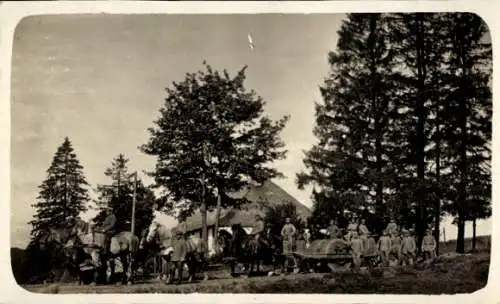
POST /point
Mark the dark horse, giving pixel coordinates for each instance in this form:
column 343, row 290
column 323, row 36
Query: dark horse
column 244, row 248
column 48, row 253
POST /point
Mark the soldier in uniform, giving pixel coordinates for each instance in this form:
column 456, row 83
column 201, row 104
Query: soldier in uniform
column 429, row 245
column 351, row 228
column 408, row 248
column 108, row 227
column 179, row 254
column 357, row 249
column 333, row 230
column 392, row 227
column 385, row 247
column 288, row 233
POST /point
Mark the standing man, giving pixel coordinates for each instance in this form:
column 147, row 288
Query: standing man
column 384, row 248
column 178, row 255
column 408, row 248
column 429, row 245
column 357, row 249
column 108, row 227
column 351, row 228
column 288, row 233
column 333, row 229
column 392, row 227
column 362, row 229
column 396, row 242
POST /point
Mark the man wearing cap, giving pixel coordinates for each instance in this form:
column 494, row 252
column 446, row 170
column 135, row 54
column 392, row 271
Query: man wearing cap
column 396, row 241
column 288, row 233
column 362, row 229
column 108, row 227
column 384, row 247
column 333, row 230
column 429, row 245
column 392, row 227
column 352, row 227
column 357, row 249
column 408, row 247
column 179, row 254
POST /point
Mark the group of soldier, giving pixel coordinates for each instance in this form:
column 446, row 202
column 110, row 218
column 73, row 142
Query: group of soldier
column 395, row 244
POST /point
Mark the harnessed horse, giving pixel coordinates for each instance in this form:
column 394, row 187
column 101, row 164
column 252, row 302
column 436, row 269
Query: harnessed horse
column 162, row 240
column 123, row 245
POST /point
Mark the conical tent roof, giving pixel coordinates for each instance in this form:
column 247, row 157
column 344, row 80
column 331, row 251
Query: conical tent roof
column 259, row 196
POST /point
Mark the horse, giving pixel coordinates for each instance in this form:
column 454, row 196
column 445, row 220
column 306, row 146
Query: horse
column 243, row 248
column 124, row 245
column 162, row 240
column 48, row 248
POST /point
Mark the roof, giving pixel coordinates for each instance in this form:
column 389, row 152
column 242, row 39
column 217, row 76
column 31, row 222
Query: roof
column 259, row 197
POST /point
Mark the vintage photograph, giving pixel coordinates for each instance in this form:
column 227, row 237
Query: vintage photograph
column 251, row 153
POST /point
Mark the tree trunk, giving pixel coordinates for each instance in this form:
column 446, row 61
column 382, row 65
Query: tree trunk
column 420, row 111
column 204, row 230
column 377, row 114
column 462, row 191
column 437, row 215
column 474, row 234
column 217, row 218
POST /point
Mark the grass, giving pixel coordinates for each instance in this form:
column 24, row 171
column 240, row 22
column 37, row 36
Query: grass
column 447, row 274
column 444, row 275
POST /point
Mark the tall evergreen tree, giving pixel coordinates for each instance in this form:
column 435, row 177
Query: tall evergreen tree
column 63, row 193
column 351, row 162
column 212, row 137
column 418, row 42
column 469, row 130
column 118, row 195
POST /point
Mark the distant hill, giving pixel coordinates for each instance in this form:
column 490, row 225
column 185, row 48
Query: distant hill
column 18, row 260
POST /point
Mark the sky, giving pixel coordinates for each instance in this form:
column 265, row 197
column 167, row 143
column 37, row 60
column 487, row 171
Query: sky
column 100, row 80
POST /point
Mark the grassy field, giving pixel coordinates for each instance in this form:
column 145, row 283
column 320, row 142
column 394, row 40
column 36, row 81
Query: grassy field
column 448, row 274
column 445, row 275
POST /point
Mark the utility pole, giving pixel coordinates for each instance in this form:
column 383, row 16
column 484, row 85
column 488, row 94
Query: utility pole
column 134, row 198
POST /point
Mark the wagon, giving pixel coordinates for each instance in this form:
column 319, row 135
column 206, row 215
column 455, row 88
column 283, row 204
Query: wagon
column 329, row 255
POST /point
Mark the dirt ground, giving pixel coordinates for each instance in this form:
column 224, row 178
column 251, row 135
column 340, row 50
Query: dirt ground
column 447, row 274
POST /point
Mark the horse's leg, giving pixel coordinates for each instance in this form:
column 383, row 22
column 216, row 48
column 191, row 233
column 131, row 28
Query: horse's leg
column 109, row 269
column 233, row 266
column 130, row 270
column 170, row 271
column 191, row 269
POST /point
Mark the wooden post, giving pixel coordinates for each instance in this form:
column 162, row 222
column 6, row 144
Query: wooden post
column 217, row 218
column 134, row 198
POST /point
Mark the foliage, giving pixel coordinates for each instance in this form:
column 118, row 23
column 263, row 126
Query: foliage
column 63, row 193
column 118, row 195
column 211, row 136
column 404, row 128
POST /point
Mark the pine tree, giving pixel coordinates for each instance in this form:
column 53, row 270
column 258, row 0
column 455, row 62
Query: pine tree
column 469, row 130
column 351, row 164
column 63, row 193
column 118, row 195
column 212, row 137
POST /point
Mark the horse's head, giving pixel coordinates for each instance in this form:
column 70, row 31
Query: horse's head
column 149, row 234
column 224, row 240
